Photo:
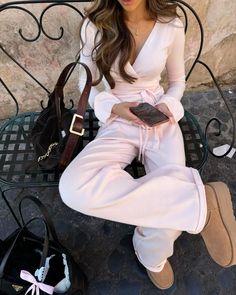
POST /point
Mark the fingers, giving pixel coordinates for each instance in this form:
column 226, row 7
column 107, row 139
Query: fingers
column 138, row 121
column 132, row 117
column 132, row 104
column 165, row 110
column 123, row 110
column 135, row 119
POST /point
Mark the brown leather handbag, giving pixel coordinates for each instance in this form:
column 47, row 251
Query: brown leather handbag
column 56, row 132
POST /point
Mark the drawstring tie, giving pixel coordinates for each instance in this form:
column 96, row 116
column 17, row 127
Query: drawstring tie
column 142, row 143
column 150, row 97
column 143, row 139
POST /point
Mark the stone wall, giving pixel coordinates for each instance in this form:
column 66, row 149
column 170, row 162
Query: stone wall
column 45, row 58
column 217, row 17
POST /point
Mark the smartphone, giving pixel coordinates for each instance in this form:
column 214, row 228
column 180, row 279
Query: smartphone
column 149, row 114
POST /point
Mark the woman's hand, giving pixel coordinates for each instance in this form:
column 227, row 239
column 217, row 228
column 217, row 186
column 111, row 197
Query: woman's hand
column 165, row 110
column 122, row 110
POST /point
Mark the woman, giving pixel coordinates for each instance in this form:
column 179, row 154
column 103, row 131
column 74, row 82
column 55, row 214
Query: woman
column 129, row 42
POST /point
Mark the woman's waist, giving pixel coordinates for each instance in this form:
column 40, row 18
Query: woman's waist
column 150, row 95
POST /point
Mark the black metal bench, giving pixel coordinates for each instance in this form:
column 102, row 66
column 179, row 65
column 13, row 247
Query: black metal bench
column 16, row 151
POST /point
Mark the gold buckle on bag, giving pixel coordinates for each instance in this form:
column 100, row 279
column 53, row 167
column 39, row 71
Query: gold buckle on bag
column 72, row 123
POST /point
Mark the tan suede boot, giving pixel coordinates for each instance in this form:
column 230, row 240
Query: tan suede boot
column 163, row 279
column 219, row 233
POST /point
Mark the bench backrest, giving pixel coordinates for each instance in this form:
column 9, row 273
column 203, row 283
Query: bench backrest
column 46, row 31
column 39, row 32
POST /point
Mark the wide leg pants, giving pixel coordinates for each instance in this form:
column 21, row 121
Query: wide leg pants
column 169, row 199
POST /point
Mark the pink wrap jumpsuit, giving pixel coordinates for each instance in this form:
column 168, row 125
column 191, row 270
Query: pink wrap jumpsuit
column 170, row 198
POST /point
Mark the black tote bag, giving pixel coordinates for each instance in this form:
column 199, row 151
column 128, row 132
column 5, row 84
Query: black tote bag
column 41, row 265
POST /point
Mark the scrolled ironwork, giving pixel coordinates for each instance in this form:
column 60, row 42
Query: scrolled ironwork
column 32, row 15
column 11, row 94
column 61, row 28
column 184, row 4
column 197, row 60
column 23, row 68
column 41, row 104
column 72, row 104
column 185, row 16
column 219, row 123
column 40, row 29
column 70, row 107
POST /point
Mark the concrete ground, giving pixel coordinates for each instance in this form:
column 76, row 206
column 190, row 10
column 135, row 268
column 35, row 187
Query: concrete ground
column 104, row 248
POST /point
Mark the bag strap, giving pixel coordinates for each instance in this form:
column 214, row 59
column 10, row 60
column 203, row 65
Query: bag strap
column 57, row 93
column 43, row 210
column 77, row 124
column 61, row 82
column 10, row 249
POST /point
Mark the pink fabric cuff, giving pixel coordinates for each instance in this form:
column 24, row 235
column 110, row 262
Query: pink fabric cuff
column 103, row 104
column 174, row 105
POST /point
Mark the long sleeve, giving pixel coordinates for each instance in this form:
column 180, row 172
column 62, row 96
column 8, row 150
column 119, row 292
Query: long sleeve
column 102, row 102
column 175, row 73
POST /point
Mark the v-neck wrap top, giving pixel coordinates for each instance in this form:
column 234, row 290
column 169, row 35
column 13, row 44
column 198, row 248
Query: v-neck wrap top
column 164, row 47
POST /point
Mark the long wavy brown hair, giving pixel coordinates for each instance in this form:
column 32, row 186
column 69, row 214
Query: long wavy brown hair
column 107, row 16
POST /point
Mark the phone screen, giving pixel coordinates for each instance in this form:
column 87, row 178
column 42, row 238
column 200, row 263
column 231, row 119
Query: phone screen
column 149, row 114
